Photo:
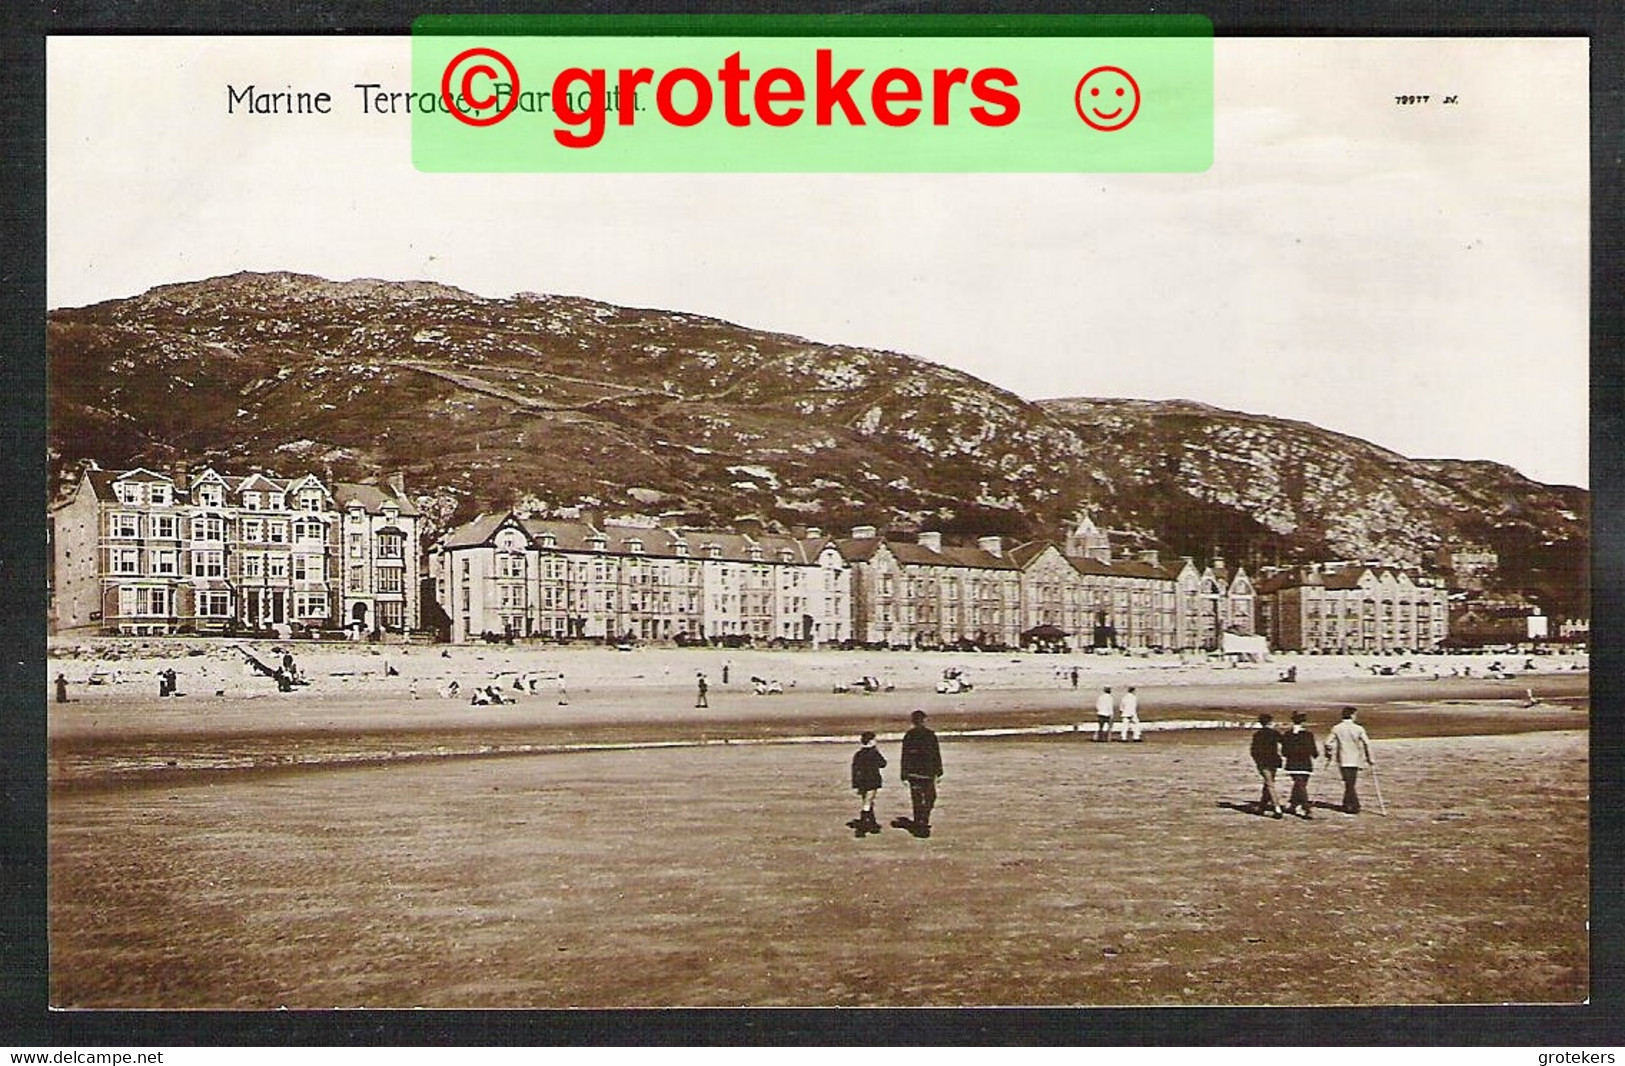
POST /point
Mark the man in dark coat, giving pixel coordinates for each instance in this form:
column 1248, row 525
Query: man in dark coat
column 1299, row 750
column 921, row 767
column 866, row 764
column 1266, row 751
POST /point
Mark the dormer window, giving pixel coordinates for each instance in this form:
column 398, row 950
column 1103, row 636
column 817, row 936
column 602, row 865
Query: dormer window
column 160, row 494
column 211, row 496
column 635, row 546
column 713, row 551
column 755, row 553
column 251, row 501
column 599, row 544
column 549, row 540
column 682, row 547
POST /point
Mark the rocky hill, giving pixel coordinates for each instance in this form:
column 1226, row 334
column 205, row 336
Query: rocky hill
column 549, row 400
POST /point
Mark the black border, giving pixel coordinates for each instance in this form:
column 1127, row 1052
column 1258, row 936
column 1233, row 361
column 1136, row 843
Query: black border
column 24, row 1020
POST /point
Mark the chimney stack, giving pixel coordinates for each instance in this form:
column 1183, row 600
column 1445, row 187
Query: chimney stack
column 864, row 532
column 397, row 484
column 994, row 546
column 1150, row 557
column 813, row 533
column 932, row 541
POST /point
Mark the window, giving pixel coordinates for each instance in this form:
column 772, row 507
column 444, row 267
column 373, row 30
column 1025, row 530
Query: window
column 392, row 615
column 166, row 562
column 390, row 580
column 127, row 601
column 277, row 501
column 308, row 568
column 393, row 546
column 307, row 529
column 310, row 605
column 164, row 527
column 276, row 566
column 509, row 564
column 465, row 566
column 358, row 578
column 159, row 494
column 253, row 530
column 276, row 532
column 208, row 564
column 214, row 604
column 251, row 501
column 211, row 496
column 126, row 561
column 126, row 525
column 253, row 565
column 356, row 551
column 208, row 528
column 157, row 601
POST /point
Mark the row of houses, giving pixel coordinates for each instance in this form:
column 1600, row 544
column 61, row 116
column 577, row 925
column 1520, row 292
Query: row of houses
column 512, row 576
column 147, row 552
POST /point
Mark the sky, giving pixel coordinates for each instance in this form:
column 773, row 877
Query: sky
column 1416, row 276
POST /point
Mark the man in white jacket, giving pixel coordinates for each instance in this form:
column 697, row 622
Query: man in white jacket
column 1128, row 712
column 1105, row 707
column 1350, row 747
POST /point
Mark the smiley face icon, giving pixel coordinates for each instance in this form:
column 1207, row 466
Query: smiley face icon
column 1107, row 98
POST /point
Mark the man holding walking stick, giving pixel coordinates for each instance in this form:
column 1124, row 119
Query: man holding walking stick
column 1350, row 747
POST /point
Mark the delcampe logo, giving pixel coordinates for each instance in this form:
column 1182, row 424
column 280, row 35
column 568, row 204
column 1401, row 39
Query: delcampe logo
column 919, row 94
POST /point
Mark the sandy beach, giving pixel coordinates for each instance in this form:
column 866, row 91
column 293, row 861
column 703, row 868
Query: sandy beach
column 348, row 845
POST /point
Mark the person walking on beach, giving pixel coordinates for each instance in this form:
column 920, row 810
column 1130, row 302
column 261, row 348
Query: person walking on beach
column 1298, row 749
column 866, row 764
column 921, row 766
column 1074, row 677
column 61, row 688
column 1104, row 706
column 1129, row 712
column 1266, row 751
column 701, row 689
column 1350, row 747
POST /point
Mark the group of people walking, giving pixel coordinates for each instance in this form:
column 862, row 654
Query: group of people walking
column 1348, row 746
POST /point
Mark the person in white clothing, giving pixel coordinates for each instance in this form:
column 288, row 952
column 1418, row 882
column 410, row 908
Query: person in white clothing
column 1128, row 711
column 1104, row 707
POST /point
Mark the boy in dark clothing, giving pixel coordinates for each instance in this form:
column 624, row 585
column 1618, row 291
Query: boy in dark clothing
column 921, row 766
column 1266, row 752
column 1298, row 747
column 866, row 764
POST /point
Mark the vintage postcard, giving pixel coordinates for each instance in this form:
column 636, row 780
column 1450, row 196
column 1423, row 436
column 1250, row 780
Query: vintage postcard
column 899, row 535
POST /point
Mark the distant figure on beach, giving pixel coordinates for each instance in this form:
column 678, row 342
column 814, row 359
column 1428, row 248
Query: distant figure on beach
column 921, row 766
column 1074, row 677
column 1129, row 712
column 701, row 688
column 1299, row 750
column 61, row 688
column 1105, row 706
column 866, row 764
column 1266, row 752
column 725, row 667
column 1350, row 747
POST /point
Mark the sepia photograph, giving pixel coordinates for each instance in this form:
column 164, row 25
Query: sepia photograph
column 882, row 590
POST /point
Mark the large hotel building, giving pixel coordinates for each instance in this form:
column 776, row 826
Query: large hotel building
column 144, row 552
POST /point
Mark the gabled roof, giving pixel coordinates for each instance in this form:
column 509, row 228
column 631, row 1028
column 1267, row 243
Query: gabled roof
column 478, row 532
column 140, row 473
column 858, row 551
column 1023, row 555
column 371, row 498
